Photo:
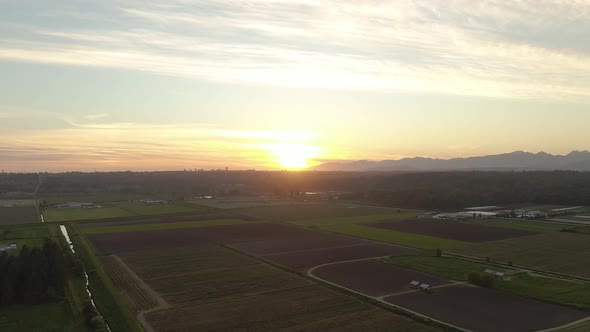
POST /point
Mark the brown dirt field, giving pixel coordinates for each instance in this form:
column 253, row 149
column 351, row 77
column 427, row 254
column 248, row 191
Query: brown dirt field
column 135, row 294
column 451, row 230
column 165, row 219
column 304, row 240
column 312, row 211
column 303, row 260
column 308, row 308
column 374, row 278
column 486, row 310
column 131, row 241
column 184, row 276
column 18, row 215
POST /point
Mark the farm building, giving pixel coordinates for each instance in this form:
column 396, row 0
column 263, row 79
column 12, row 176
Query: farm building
column 483, row 208
column 11, row 246
column 77, row 205
column 497, row 274
column 154, row 201
column 414, row 283
column 533, row 215
column 425, row 286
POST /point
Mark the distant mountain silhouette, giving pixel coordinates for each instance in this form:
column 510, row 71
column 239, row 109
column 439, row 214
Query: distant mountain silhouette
column 518, row 160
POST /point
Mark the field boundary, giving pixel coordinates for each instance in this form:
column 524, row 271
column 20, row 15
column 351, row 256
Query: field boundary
column 521, row 267
column 410, row 313
column 110, row 302
column 356, row 295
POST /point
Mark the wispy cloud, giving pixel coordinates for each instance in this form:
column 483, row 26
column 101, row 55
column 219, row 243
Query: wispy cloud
column 97, row 116
column 111, row 145
column 507, row 49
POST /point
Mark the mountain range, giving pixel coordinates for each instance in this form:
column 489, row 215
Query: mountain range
column 518, row 160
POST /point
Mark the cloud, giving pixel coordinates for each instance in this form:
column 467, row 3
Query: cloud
column 522, row 49
column 97, row 116
column 114, row 146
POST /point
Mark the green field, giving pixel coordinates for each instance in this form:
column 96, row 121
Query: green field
column 548, row 289
column 314, row 212
column 571, row 293
column 450, row 268
column 31, row 235
column 355, row 219
column 19, row 215
column 99, row 197
column 116, row 210
column 142, row 209
column 559, row 252
column 163, row 226
column 522, row 224
column 17, row 202
column 109, row 300
column 70, row 214
column 390, row 236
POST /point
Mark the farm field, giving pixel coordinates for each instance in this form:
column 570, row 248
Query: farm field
column 355, row 219
column 521, row 224
column 572, row 293
column 17, row 202
column 198, row 216
column 396, row 237
column 99, row 197
column 451, row 268
column 559, row 252
column 170, row 238
column 373, row 277
column 318, row 211
column 163, row 226
column 301, row 239
column 451, row 230
column 212, row 273
column 31, row 235
column 303, row 260
column 306, row 308
column 138, row 297
column 18, row 215
column 211, row 287
column 142, row 209
column 71, row 214
column 469, row 307
column 243, row 202
column 116, row 210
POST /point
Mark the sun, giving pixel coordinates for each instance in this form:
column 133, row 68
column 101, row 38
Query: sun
column 293, row 155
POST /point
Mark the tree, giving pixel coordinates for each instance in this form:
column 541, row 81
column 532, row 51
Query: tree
column 485, row 280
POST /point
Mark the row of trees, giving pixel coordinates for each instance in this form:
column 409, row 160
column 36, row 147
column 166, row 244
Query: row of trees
column 420, row 189
column 33, row 276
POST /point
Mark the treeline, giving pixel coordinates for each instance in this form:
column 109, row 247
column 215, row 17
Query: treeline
column 420, row 190
column 33, row 276
column 461, row 189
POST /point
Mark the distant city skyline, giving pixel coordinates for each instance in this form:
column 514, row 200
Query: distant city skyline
column 273, row 84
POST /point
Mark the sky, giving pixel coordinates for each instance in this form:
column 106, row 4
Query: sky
column 272, row 84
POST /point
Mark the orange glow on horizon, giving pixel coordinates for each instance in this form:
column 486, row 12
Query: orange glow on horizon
column 292, row 155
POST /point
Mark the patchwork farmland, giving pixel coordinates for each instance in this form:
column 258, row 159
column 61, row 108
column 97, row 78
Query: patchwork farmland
column 452, row 230
column 226, row 284
column 244, row 273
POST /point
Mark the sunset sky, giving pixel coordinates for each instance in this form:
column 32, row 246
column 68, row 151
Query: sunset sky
column 270, row 84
